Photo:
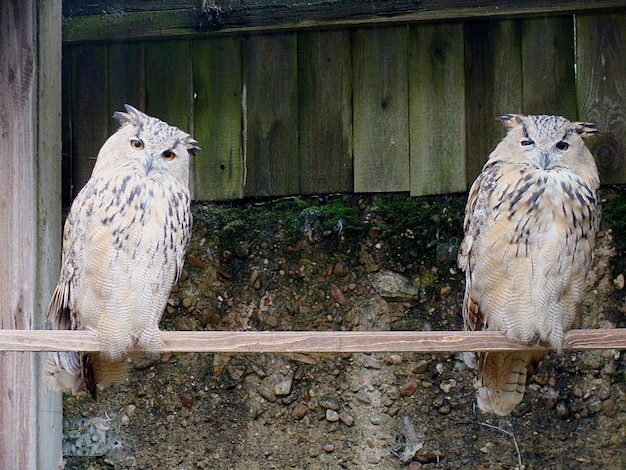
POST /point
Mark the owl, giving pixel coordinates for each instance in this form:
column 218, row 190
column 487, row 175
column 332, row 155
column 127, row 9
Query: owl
column 531, row 223
column 124, row 243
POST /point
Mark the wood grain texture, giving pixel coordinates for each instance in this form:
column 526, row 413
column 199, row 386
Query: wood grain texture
column 601, row 55
column 325, row 111
column 307, row 341
column 380, row 107
column 90, row 82
column 127, row 79
column 160, row 19
column 493, row 83
column 48, row 407
column 168, row 82
column 548, row 74
column 217, row 85
column 270, row 108
column 437, row 108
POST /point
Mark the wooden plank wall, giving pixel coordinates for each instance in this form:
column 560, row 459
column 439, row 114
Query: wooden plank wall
column 407, row 107
column 30, row 231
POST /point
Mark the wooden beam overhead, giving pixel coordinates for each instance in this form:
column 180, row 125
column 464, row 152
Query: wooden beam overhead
column 260, row 16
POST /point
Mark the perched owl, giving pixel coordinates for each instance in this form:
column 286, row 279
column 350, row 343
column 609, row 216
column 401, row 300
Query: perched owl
column 531, row 222
column 124, row 243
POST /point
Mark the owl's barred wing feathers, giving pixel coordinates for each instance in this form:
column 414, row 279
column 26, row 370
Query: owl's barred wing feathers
column 123, row 249
column 530, row 227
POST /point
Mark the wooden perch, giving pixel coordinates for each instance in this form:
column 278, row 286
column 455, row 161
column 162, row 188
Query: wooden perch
column 308, row 341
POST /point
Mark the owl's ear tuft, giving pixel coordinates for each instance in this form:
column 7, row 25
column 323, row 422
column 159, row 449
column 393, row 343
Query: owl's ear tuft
column 132, row 116
column 192, row 146
column 584, row 129
column 510, row 120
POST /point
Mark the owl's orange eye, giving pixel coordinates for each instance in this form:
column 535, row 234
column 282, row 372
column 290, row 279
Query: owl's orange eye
column 562, row 145
column 137, row 144
column 168, row 155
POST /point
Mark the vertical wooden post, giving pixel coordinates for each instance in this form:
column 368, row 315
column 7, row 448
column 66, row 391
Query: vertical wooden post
column 30, row 34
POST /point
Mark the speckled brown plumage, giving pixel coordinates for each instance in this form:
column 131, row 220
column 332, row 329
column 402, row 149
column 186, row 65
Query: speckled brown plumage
column 530, row 228
column 124, row 243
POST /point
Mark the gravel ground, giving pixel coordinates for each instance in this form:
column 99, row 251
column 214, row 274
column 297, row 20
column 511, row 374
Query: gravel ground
column 316, row 264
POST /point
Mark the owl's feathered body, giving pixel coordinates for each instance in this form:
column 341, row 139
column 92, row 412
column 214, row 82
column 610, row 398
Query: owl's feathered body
column 530, row 229
column 124, row 243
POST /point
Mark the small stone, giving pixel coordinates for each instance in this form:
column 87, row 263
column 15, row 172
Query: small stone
column 187, row 401
column 142, row 363
column 299, row 411
column 408, row 389
column 195, row 261
column 125, row 420
column 420, row 367
column 266, row 393
column 332, row 416
column 242, row 250
column 562, row 411
column 395, row 359
column 603, row 393
column 130, row 409
column 187, row 302
column 444, row 410
column 346, row 418
column 328, row 447
column 550, row 399
column 378, row 419
column 609, row 408
column 283, row 386
column 447, row 385
column 619, row 281
column 340, row 269
column 445, row 291
column 329, row 403
column 337, row 294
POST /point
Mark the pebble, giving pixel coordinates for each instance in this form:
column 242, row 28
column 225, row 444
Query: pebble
column 328, row 447
column 242, row 250
column 299, row 411
column 329, row 403
column 266, row 393
column 340, row 269
column 550, row 399
column 408, row 389
column 187, row 401
column 378, row 419
column 609, row 408
column 562, row 411
column 346, row 418
column 337, row 294
column 332, row 416
column 283, row 386
column 447, row 385
column 420, row 367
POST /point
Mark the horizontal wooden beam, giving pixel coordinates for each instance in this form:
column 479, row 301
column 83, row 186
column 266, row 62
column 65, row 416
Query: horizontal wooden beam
column 308, row 341
column 276, row 15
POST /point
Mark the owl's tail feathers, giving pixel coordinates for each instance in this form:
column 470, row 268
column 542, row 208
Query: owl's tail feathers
column 502, row 378
column 99, row 371
column 75, row 373
column 62, row 372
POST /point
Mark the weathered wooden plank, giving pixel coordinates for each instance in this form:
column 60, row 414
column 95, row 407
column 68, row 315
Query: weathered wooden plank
column 493, row 74
column 437, row 108
column 168, row 82
column 270, row 115
column 48, row 407
column 309, row 341
column 29, row 129
column 127, row 72
column 601, row 59
column 548, row 73
column 325, row 98
column 90, row 120
column 217, row 86
column 227, row 17
column 380, row 107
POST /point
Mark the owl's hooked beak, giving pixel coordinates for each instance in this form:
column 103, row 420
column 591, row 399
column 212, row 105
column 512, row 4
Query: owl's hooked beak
column 148, row 163
column 545, row 160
